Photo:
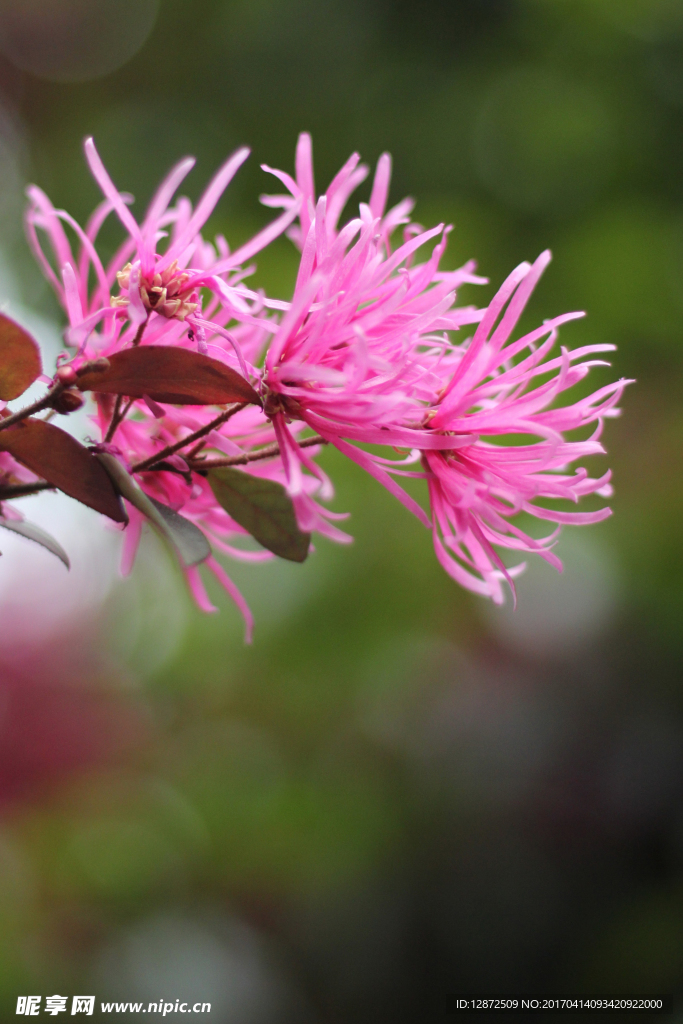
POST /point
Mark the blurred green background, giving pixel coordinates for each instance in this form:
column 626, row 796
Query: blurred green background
column 398, row 791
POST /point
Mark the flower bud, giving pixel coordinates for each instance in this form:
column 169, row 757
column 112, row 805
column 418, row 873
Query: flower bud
column 67, row 402
column 66, row 375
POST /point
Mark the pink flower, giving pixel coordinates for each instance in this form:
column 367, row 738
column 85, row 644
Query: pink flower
column 366, row 353
column 363, row 355
column 158, row 290
column 492, row 393
column 358, row 354
column 159, row 302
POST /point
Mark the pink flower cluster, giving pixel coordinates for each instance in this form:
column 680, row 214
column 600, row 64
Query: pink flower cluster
column 369, row 351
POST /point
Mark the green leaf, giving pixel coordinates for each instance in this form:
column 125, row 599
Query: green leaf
column 55, row 455
column 264, row 509
column 168, row 374
column 186, row 539
column 19, row 359
column 34, row 533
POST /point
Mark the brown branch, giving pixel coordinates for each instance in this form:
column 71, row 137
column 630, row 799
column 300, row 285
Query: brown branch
column 115, row 420
column 172, row 448
column 269, row 452
column 23, row 490
column 41, row 403
column 140, row 331
column 196, row 450
column 118, row 416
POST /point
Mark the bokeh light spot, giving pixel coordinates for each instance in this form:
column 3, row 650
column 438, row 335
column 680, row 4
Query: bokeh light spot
column 560, row 613
column 74, row 40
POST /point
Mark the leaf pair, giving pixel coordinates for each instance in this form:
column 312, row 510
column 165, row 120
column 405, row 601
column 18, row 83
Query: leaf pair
column 181, row 377
column 164, row 374
column 46, row 450
column 261, row 506
column 188, row 542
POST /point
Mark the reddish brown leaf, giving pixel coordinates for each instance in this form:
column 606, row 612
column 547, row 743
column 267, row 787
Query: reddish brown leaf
column 19, row 359
column 166, row 374
column 64, row 463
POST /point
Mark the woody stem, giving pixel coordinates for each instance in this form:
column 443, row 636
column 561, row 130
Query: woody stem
column 190, row 439
column 269, row 452
column 41, row 403
column 22, row 490
column 119, row 415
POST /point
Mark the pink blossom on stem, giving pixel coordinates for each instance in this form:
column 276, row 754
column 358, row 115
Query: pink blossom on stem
column 160, row 302
column 358, row 354
column 161, row 290
column 364, row 354
column 368, row 352
column 493, row 392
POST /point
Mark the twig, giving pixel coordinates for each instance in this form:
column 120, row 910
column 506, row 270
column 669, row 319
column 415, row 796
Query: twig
column 172, row 448
column 269, row 452
column 41, row 403
column 118, row 416
column 140, row 331
column 22, row 490
column 196, row 450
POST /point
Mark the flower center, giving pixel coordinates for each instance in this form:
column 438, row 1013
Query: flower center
column 165, row 293
column 274, row 403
